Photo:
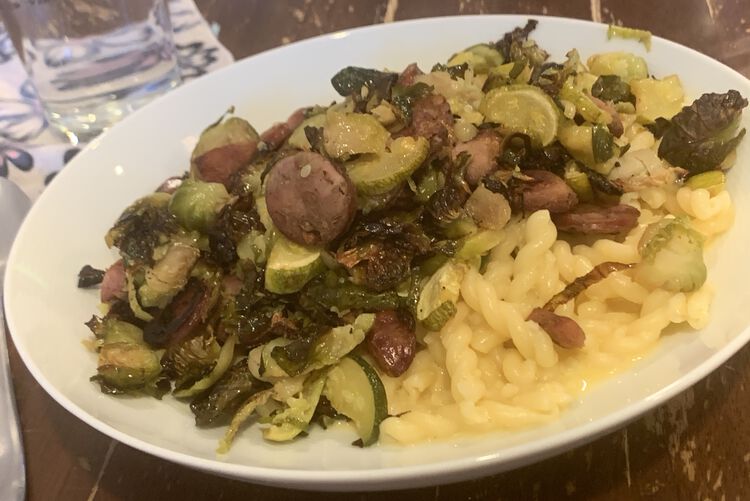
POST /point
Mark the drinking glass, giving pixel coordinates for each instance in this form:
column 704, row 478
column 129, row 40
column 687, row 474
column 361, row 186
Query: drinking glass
column 94, row 61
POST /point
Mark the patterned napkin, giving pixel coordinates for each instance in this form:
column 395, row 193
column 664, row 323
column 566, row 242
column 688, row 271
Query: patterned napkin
column 31, row 152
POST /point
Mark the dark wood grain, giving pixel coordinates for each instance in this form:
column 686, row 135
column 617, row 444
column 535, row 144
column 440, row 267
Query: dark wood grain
column 697, row 446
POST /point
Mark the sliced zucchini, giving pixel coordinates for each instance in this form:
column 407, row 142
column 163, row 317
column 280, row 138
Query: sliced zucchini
column 522, row 108
column 347, row 134
column 478, row 244
column 378, row 174
column 355, row 390
column 298, row 139
column 290, row 266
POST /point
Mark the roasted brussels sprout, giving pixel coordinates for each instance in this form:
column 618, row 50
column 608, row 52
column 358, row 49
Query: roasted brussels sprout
column 672, row 253
column 196, row 205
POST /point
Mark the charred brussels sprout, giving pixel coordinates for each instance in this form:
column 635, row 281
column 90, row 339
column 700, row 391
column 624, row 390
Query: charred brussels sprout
column 218, row 405
column 126, row 363
column 192, row 359
column 672, row 255
column 701, row 136
column 143, row 226
column 197, row 205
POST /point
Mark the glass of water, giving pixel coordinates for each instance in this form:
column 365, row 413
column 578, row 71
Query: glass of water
column 94, row 61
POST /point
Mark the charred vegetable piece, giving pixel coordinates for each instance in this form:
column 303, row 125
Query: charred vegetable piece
column 391, row 342
column 564, row 331
column 602, row 143
column 223, row 149
column 223, row 362
column 701, row 136
column 310, row 200
column 191, row 359
column 89, row 277
column 298, row 410
column 345, row 296
column 405, row 95
column 355, row 390
column 612, row 88
column 126, row 363
column 177, row 321
column 595, row 220
column 571, row 291
column 364, row 85
column 271, row 361
column 239, row 418
column 217, row 406
column 196, row 205
column 672, row 256
column 517, row 47
column 143, row 226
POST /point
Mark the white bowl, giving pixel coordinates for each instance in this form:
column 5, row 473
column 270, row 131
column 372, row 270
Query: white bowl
column 66, row 226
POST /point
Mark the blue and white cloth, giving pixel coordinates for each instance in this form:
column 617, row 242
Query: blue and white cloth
column 31, row 152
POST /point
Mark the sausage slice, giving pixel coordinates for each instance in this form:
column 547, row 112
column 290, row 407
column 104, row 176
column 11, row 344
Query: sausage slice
column 547, row 191
column 595, row 220
column 484, row 150
column 309, row 199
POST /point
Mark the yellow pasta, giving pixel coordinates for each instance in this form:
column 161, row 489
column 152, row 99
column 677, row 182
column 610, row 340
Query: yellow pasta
column 491, row 369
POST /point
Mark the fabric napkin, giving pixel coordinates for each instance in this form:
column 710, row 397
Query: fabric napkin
column 31, row 151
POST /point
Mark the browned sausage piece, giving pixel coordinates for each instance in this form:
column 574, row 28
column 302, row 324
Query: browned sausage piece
column 431, row 118
column 564, row 331
column 595, row 220
column 181, row 317
column 406, row 77
column 547, row 191
column 280, row 132
column 310, row 200
column 219, row 164
column 392, row 343
column 113, row 283
column 484, row 150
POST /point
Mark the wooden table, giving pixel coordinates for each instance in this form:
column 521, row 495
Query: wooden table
column 697, row 446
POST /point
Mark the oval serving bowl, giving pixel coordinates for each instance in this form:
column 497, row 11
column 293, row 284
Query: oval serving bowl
column 66, row 226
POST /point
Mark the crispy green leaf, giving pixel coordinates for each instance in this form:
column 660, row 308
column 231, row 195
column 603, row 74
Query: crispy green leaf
column 702, row 135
